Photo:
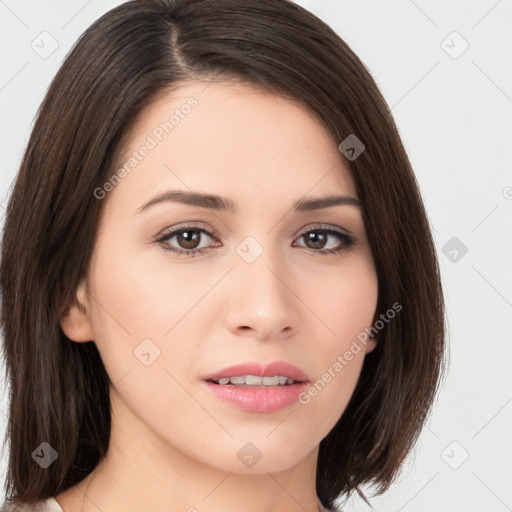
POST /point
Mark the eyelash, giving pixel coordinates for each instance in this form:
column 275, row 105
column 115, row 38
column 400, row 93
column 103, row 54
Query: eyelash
column 347, row 240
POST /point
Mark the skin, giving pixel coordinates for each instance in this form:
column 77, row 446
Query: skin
column 173, row 443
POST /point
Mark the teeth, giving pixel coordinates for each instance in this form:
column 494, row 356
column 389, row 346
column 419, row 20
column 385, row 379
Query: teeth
column 253, row 380
column 237, row 380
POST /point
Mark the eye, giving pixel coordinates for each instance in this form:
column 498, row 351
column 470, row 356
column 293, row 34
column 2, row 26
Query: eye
column 317, row 240
column 188, row 239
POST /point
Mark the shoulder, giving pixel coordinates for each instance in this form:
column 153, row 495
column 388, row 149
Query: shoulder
column 49, row 505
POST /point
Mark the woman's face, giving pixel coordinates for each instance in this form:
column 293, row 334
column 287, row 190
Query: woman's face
column 259, row 284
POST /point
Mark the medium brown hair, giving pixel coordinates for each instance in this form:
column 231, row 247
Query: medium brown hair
column 59, row 390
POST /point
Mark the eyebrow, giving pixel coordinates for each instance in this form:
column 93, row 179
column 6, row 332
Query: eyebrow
column 220, row 203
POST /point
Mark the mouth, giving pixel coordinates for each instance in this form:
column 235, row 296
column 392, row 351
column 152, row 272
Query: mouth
column 256, row 387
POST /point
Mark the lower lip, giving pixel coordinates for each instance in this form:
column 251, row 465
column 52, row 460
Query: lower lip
column 259, row 399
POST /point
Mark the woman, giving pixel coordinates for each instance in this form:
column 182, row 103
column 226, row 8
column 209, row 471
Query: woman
column 220, row 290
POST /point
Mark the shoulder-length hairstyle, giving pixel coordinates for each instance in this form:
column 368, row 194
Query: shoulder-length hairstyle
column 59, row 390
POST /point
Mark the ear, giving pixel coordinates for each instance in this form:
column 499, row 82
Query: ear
column 75, row 322
column 371, row 344
column 373, row 339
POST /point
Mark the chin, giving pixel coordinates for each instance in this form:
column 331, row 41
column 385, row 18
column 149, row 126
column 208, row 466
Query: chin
column 261, row 456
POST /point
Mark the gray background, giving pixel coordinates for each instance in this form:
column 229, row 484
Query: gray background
column 453, row 107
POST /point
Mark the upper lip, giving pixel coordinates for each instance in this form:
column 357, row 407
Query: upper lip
column 259, row 369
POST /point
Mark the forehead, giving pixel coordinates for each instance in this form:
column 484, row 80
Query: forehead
column 232, row 139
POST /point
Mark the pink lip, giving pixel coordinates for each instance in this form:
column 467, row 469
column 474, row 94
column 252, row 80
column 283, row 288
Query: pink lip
column 259, row 399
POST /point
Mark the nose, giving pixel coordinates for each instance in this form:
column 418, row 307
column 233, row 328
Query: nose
column 262, row 302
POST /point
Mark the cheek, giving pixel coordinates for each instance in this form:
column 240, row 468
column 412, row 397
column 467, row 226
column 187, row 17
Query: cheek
column 143, row 304
column 141, row 323
column 344, row 297
column 345, row 301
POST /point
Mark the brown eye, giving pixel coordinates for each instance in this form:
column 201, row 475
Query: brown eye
column 318, row 239
column 187, row 240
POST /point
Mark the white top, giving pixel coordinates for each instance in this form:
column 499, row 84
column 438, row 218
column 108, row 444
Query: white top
column 49, row 505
